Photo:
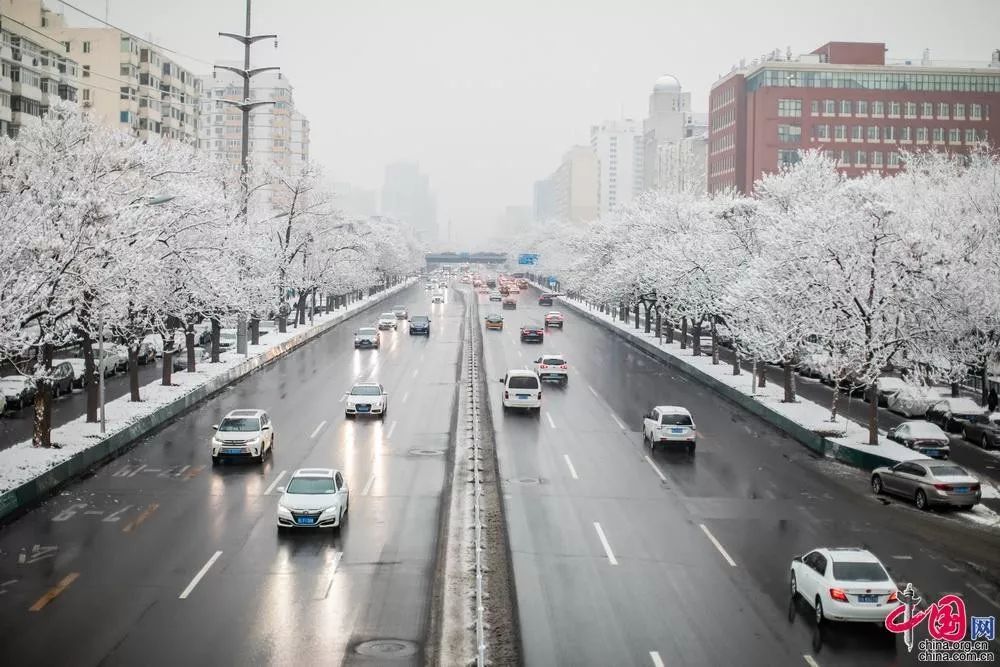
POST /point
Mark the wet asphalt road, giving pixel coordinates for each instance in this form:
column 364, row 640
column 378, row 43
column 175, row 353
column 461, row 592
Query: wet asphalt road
column 612, row 547
column 94, row 575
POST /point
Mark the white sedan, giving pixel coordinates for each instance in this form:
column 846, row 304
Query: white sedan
column 387, row 321
column 843, row 584
column 314, row 498
column 366, row 398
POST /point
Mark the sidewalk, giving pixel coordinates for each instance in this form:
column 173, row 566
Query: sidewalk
column 27, row 473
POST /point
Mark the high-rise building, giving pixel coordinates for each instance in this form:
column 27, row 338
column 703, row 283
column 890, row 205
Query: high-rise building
column 845, row 99
column 406, row 196
column 669, row 113
column 543, row 202
column 279, row 134
column 618, row 145
column 353, row 200
column 575, row 186
column 36, row 67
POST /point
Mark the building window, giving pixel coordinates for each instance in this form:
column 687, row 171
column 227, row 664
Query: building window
column 860, row 158
column 790, row 108
column 911, row 109
column 888, row 133
column 959, row 111
column 124, row 116
column 5, row 100
column 876, row 158
column 857, row 133
column 878, row 108
column 86, row 71
column 789, row 134
column 86, row 47
column 921, row 135
column 906, row 134
column 894, row 109
column 970, row 136
column 840, row 132
column 125, row 70
column 975, row 112
column 845, row 159
column 787, row 157
column 873, row 133
column 927, row 110
column 894, row 160
column 86, row 94
column 126, row 45
column 861, row 108
column 845, row 107
column 943, row 110
column 938, row 135
column 954, row 136
column 829, row 107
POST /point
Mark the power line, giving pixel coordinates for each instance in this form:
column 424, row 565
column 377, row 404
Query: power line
column 136, row 37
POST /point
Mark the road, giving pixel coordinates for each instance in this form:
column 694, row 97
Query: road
column 98, row 574
column 622, row 557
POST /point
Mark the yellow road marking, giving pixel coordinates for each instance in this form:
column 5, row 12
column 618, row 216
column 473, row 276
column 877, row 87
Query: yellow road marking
column 54, row 592
column 136, row 522
column 193, row 472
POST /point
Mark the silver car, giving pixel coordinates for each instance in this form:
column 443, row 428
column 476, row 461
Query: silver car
column 928, row 483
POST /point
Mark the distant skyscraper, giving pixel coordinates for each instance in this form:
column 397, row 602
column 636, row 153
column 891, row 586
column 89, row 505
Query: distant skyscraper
column 669, row 111
column 355, row 201
column 544, row 200
column 618, row 145
column 406, row 196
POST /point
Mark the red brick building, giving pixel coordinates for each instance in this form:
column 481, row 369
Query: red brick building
column 844, row 99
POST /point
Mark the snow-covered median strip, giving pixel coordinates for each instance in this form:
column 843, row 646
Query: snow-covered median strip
column 23, row 463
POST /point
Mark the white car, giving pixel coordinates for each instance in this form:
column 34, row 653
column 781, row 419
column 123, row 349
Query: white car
column 314, row 498
column 366, row 398
column 437, row 298
column 522, row 389
column 844, row 584
column 387, row 321
column 668, row 425
column 243, row 434
column 912, row 401
column 552, row 367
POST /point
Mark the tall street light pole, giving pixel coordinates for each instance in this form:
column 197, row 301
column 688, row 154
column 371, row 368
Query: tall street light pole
column 246, row 106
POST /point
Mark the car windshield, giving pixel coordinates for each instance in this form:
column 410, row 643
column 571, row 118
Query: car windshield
column 398, row 308
column 387, row 316
column 925, row 430
column 532, row 326
column 523, row 382
column 494, row 318
column 311, row 485
column 419, row 319
column 366, row 390
column 553, row 361
column 676, row 420
column 845, row 571
column 949, row 470
column 366, row 332
column 242, row 424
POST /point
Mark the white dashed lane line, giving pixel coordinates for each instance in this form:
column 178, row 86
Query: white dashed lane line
column 604, row 542
column 569, row 464
column 318, row 429
column 274, row 483
column 656, row 469
column 718, row 546
column 201, row 573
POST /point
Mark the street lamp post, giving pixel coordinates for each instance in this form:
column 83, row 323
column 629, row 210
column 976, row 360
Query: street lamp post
column 246, row 106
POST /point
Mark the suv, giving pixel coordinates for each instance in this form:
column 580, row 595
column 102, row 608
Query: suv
column 314, row 498
column 243, row 434
column 420, row 324
column 669, row 424
column 522, row 389
column 552, row 367
column 366, row 337
column 843, row 584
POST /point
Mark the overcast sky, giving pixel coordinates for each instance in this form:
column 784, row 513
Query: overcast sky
column 486, row 96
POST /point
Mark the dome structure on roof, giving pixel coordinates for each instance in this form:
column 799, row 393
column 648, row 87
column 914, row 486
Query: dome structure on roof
column 667, row 83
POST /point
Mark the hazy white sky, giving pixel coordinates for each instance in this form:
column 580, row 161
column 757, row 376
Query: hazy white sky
column 486, row 96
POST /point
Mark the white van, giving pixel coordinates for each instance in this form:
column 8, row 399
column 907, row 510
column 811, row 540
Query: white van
column 522, row 389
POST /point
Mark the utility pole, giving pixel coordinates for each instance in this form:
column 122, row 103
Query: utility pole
column 246, row 106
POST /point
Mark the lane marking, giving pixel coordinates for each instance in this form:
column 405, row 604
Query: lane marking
column 549, row 417
column 111, row 518
column 368, row 485
column 416, row 372
column 982, row 595
column 136, row 471
column 182, row 471
column 569, row 464
column 656, row 469
column 274, row 483
column 193, row 472
column 201, row 573
column 406, row 396
column 903, row 557
column 604, row 541
column 718, row 546
column 54, row 592
column 655, row 657
column 136, row 522
column 318, row 429
column 811, row 661
column 391, row 429
column 326, row 583
column 594, row 392
column 619, row 422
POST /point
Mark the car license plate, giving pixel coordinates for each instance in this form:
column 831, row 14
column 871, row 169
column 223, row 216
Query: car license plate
column 232, row 451
column 306, row 520
column 868, row 598
column 932, row 452
column 961, row 489
column 676, row 430
column 522, row 396
column 363, row 408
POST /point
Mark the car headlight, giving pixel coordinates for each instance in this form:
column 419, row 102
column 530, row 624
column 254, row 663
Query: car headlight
column 284, row 510
column 332, row 509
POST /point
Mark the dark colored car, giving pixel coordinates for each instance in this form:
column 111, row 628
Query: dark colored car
column 921, row 436
column 532, row 333
column 952, row 414
column 983, row 430
column 420, row 325
column 18, row 390
column 545, row 300
column 63, row 378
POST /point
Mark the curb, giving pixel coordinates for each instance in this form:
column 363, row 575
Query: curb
column 20, row 498
column 815, row 443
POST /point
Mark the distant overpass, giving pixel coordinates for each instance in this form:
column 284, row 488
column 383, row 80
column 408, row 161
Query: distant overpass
column 466, row 258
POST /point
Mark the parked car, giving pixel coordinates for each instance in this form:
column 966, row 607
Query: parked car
column 843, row 584
column 532, row 333
column 522, row 389
column 921, row 436
column 116, row 358
column 983, row 430
column 669, row 425
column 18, row 390
column 928, row 483
column 912, row 401
column 314, row 498
column 63, row 377
column 387, row 321
column 366, row 398
column 552, row 367
column 554, row 318
column 952, row 414
column 147, row 353
column 79, row 370
column 888, row 386
column 494, row 321
column 367, row 337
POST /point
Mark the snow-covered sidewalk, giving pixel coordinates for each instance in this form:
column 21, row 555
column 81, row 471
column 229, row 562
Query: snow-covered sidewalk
column 23, row 463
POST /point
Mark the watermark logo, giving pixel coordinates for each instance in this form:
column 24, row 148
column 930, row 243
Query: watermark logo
column 947, row 624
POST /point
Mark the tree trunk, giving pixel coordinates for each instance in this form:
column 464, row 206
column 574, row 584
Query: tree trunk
column 984, row 382
column 189, row 344
column 833, row 406
column 715, row 343
column 635, row 313
column 696, row 339
column 89, row 376
column 670, row 330
column 167, row 377
column 761, row 373
column 216, row 336
column 300, row 309
column 133, row 372
column 254, row 329
column 684, row 332
column 41, row 435
column 649, row 320
column 659, row 324
column 954, row 390
column 872, row 417
column 789, row 382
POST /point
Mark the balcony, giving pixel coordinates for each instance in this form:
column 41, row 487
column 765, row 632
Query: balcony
column 26, row 90
column 24, row 119
column 5, row 113
column 6, row 84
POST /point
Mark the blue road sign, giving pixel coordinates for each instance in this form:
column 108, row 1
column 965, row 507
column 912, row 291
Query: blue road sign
column 552, row 281
column 527, row 258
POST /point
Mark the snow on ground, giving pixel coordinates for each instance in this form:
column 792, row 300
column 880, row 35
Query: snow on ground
column 22, row 462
